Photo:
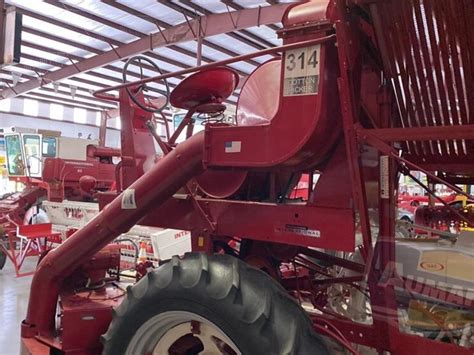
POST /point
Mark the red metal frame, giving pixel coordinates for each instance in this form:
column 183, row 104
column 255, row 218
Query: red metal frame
column 102, row 92
column 61, row 179
column 272, row 228
column 33, row 240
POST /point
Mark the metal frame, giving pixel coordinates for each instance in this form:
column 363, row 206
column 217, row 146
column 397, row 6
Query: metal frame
column 212, row 23
column 34, row 240
column 216, row 218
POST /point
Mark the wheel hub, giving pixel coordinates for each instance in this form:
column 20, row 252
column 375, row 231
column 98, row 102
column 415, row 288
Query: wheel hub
column 180, row 332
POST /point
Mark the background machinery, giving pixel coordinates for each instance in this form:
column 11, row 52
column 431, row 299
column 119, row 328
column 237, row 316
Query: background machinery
column 51, row 168
column 363, row 91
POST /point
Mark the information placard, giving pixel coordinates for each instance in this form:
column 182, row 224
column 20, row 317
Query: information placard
column 301, row 71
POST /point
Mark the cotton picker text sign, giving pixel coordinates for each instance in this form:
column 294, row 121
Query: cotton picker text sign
column 301, row 71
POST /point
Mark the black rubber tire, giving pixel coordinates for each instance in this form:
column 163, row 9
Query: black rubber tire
column 3, row 259
column 253, row 310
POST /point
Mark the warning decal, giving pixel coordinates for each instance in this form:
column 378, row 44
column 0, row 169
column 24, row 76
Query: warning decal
column 128, row 200
column 301, row 71
column 384, row 177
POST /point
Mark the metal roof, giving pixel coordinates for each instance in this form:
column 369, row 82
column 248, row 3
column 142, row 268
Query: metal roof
column 64, row 34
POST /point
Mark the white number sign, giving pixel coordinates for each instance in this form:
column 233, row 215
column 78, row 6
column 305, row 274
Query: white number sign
column 301, row 71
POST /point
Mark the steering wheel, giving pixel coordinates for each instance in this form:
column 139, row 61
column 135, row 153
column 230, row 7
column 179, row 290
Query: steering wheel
column 149, row 107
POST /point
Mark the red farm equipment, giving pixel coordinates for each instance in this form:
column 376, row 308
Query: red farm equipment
column 364, row 90
column 44, row 164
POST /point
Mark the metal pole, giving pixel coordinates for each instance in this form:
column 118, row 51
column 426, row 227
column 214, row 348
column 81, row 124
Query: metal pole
column 199, row 46
column 167, row 127
column 199, row 51
column 2, row 30
column 102, row 128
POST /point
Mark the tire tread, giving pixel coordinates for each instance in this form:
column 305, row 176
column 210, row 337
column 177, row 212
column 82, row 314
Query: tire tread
column 257, row 302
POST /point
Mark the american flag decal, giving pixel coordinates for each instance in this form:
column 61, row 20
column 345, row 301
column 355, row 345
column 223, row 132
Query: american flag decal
column 233, row 147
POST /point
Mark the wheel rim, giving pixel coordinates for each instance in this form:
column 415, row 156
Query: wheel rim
column 176, row 332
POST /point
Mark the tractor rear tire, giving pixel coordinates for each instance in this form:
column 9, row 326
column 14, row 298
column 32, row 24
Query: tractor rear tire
column 246, row 306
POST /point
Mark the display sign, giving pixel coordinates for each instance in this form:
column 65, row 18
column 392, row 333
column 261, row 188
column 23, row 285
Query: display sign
column 451, row 264
column 301, row 75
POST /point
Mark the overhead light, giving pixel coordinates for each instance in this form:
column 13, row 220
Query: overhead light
column 73, row 91
column 56, row 87
column 15, row 77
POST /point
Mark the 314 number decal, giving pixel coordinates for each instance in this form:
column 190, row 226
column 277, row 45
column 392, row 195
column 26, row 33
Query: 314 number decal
column 301, row 73
column 292, row 61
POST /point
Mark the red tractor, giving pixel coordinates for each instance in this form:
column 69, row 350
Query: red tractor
column 359, row 95
column 50, row 167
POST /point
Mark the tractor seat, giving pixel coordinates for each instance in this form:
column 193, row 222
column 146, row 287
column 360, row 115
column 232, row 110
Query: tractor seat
column 205, row 91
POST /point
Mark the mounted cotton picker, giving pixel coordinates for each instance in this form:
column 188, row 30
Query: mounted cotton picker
column 359, row 95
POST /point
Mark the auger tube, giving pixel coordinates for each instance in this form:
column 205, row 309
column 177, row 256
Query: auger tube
column 150, row 190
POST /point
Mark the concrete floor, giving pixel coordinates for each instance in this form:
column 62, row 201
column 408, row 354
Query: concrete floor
column 14, row 294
